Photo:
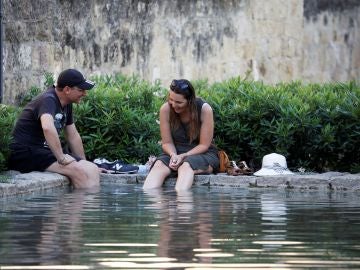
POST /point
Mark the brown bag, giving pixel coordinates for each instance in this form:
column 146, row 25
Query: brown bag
column 224, row 161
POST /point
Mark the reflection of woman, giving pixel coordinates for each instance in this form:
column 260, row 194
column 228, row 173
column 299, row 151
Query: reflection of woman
column 187, row 128
column 181, row 240
column 185, row 226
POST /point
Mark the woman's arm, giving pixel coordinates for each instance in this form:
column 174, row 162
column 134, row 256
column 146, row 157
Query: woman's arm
column 167, row 142
column 206, row 131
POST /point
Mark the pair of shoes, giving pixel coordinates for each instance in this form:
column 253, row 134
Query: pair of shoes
column 233, row 169
column 238, row 169
column 245, row 168
column 115, row 167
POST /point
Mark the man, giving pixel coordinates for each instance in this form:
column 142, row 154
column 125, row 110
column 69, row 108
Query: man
column 36, row 144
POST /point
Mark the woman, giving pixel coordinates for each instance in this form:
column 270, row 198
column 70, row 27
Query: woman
column 187, row 128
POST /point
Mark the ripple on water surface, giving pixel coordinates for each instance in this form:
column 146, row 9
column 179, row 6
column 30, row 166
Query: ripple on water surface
column 221, row 228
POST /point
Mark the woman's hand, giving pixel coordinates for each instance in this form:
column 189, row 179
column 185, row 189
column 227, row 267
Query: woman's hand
column 176, row 161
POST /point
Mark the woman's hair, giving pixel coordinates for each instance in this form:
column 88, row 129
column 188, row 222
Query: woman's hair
column 184, row 87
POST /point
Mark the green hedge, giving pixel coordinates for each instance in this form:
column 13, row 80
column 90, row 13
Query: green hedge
column 8, row 116
column 316, row 126
column 118, row 119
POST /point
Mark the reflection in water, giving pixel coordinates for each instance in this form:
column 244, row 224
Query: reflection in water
column 183, row 231
column 273, row 216
column 64, row 221
column 51, row 227
column 124, row 227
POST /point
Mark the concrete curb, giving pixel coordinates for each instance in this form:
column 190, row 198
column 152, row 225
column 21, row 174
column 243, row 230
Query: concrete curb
column 30, row 182
column 18, row 183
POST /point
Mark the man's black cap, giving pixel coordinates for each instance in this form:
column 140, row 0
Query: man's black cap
column 73, row 77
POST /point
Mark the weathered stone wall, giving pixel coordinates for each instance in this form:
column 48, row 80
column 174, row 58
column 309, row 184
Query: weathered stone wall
column 277, row 40
column 331, row 43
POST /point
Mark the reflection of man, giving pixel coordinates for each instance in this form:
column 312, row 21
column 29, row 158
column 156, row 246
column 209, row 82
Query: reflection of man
column 61, row 231
column 36, row 143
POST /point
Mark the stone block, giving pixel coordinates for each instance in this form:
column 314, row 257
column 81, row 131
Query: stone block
column 119, row 178
column 225, row 180
column 345, row 182
column 31, row 182
column 202, row 180
column 272, row 181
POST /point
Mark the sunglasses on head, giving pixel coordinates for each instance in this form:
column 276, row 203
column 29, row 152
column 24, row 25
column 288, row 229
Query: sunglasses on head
column 179, row 84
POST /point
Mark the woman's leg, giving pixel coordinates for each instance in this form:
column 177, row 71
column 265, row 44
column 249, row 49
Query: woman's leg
column 157, row 175
column 186, row 176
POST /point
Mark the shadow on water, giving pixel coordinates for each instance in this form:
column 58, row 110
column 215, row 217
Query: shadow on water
column 218, row 228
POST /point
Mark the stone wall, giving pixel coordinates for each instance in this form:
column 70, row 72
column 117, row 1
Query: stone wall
column 273, row 40
column 331, row 44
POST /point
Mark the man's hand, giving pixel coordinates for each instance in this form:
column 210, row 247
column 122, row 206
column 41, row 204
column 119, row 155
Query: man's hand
column 66, row 159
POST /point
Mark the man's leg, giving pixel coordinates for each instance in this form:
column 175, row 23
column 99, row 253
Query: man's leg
column 83, row 173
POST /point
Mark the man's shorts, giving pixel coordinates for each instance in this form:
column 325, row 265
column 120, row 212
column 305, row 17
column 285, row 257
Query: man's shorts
column 31, row 158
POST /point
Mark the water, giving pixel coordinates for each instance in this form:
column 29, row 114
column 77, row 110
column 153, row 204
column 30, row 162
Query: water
column 122, row 227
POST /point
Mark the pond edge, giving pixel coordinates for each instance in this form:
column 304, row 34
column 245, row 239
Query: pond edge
column 15, row 183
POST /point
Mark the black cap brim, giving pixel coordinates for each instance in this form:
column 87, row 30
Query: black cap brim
column 86, row 85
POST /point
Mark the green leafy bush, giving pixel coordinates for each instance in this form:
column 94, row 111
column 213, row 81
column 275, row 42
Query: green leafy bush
column 316, row 126
column 8, row 115
column 119, row 118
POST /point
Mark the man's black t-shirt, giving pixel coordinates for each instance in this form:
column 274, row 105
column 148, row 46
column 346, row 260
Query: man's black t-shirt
column 28, row 130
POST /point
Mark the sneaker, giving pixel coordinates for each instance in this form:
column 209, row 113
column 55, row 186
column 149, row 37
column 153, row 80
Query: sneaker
column 100, row 161
column 103, row 163
column 121, row 168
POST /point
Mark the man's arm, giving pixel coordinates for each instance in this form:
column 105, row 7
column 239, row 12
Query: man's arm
column 74, row 140
column 52, row 137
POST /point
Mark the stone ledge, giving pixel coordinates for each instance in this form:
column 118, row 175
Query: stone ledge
column 30, row 182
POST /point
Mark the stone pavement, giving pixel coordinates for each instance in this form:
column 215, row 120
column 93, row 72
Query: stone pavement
column 14, row 183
